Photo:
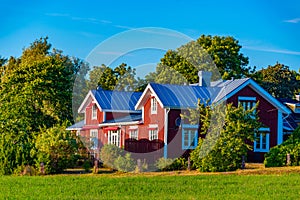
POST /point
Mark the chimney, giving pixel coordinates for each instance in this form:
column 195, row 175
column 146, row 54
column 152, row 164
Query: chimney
column 204, row 78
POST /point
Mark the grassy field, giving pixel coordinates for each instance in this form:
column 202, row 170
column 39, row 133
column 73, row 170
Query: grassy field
column 252, row 184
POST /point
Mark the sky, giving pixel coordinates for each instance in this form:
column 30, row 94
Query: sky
column 268, row 31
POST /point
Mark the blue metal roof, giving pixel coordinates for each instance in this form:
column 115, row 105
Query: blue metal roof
column 130, row 118
column 229, row 86
column 116, row 100
column 183, row 96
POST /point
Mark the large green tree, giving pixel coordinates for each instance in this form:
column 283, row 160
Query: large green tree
column 121, row 78
column 36, row 91
column 220, row 55
column 279, row 80
column 225, row 137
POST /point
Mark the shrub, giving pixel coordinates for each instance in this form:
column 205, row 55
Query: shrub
column 277, row 155
column 163, row 164
column 124, row 163
column 25, row 170
column 179, row 164
column 109, row 153
column 56, row 148
column 87, row 165
column 141, row 166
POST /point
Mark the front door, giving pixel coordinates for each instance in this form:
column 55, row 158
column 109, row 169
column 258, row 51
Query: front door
column 114, row 138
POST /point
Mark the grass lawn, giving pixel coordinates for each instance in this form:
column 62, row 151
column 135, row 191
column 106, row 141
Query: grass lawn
column 253, row 184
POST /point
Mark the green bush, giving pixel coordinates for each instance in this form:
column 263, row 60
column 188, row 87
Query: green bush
column 163, row 164
column 25, row 170
column 179, row 164
column 168, row 164
column 109, row 154
column 277, row 156
column 141, row 166
column 87, row 165
column 124, row 163
column 56, row 148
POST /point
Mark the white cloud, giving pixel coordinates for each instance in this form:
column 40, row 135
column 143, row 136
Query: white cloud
column 282, row 51
column 82, row 19
column 294, row 21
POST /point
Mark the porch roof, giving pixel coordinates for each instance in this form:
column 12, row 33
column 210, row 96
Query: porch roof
column 76, row 126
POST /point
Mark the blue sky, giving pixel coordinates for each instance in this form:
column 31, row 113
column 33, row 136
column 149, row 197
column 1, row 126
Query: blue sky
column 268, row 31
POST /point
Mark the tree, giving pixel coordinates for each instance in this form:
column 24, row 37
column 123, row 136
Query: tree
column 225, row 52
column 279, row 80
column 220, row 55
column 122, row 78
column 56, row 148
column 224, row 140
column 2, row 60
column 36, row 91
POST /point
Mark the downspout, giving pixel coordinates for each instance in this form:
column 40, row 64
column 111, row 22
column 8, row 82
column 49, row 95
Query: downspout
column 167, row 110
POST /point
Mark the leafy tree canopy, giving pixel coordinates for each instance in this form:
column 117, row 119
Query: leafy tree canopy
column 121, row 78
column 279, row 80
column 220, row 55
column 36, row 91
column 225, row 135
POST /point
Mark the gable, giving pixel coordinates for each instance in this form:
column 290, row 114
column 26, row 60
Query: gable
column 114, row 101
column 235, row 86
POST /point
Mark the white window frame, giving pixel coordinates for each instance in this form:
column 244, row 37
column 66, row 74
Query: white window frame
column 262, row 132
column 94, row 134
column 114, row 137
column 153, row 132
column 94, row 111
column 153, row 105
column 134, row 132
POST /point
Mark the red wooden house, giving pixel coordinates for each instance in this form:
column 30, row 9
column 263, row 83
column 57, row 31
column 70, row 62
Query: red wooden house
column 108, row 115
column 153, row 117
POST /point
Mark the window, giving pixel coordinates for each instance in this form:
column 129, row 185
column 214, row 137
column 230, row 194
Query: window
column 153, row 106
column 248, row 103
column 189, row 136
column 94, row 112
column 133, row 133
column 114, row 137
column 261, row 140
column 94, row 138
column 153, row 134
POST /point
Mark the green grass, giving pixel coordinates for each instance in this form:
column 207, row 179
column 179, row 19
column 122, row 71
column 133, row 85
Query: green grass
column 201, row 186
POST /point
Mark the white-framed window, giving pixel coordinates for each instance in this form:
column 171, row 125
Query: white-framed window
column 189, row 136
column 153, row 106
column 114, row 137
column 133, row 133
column 153, row 134
column 94, row 138
column 94, row 111
column 262, row 140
